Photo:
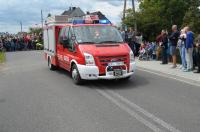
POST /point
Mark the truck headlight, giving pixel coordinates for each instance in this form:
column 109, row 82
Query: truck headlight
column 89, row 59
column 132, row 58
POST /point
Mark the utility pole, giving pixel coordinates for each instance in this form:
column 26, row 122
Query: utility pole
column 135, row 23
column 124, row 15
column 124, row 12
column 21, row 25
column 42, row 19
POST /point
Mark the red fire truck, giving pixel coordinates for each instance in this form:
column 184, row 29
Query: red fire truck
column 88, row 49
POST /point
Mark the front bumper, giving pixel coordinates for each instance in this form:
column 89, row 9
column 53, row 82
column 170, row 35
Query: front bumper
column 92, row 72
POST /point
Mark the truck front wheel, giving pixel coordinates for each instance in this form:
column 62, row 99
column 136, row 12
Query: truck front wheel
column 75, row 75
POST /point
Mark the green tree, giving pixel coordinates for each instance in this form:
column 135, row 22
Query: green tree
column 35, row 30
column 192, row 17
column 155, row 15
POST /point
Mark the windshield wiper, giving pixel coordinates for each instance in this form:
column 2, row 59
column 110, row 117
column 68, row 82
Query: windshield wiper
column 110, row 42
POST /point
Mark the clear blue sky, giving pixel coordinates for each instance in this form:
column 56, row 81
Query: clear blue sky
column 14, row 11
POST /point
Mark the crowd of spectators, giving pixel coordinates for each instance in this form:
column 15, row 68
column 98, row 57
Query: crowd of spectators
column 183, row 44
column 19, row 42
column 168, row 47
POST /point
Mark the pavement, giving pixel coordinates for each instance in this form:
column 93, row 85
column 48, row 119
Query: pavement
column 35, row 99
column 166, row 70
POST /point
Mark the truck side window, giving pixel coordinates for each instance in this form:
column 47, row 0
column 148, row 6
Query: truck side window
column 60, row 35
column 63, row 35
column 66, row 33
column 71, row 42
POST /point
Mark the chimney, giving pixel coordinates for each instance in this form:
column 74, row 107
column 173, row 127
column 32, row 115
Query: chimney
column 70, row 8
column 87, row 12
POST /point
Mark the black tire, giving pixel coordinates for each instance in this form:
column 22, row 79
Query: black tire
column 51, row 66
column 75, row 75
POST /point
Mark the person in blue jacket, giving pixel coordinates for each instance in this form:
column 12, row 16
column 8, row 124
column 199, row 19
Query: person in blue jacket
column 189, row 49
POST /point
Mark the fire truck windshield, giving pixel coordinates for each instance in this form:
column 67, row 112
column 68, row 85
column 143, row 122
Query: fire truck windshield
column 97, row 34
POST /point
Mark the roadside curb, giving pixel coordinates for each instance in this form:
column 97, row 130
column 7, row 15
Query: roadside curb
column 171, row 76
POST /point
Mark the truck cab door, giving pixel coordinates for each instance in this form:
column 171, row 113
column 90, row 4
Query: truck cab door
column 63, row 35
column 70, row 50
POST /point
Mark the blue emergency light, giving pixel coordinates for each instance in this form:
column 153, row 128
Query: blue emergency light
column 79, row 21
column 104, row 22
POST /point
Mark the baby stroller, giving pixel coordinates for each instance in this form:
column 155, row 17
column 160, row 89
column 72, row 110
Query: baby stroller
column 150, row 51
column 142, row 54
column 146, row 52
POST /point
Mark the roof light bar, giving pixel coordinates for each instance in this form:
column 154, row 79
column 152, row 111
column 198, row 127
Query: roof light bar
column 79, row 22
column 104, row 21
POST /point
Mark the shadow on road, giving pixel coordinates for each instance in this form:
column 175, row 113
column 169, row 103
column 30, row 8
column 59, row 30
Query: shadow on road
column 134, row 82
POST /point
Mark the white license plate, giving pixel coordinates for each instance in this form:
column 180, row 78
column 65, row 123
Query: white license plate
column 118, row 72
column 116, row 64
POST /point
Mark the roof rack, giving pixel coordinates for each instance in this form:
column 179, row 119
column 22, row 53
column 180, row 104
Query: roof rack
column 58, row 19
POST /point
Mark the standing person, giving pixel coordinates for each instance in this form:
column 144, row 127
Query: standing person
column 26, row 40
column 153, row 44
column 12, row 44
column 15, row 43
column 138, row 42
column 189, row 49
column 1, row 45
column 21, row 43
column 197, row 53
column 122, row 33
column 173, row 41
column 164, row 46
column 130, row 38
column 181, row 46
column 158, row 48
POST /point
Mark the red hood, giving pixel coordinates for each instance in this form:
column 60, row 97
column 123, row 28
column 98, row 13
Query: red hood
column 105, row 49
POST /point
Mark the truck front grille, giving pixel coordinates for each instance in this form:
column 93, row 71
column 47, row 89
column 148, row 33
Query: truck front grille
column 105, row 60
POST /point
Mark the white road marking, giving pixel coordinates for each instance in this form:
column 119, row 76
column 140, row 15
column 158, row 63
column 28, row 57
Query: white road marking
column 144, row 112
column 4, row 69
column 129, row 111
column 19, row 67
column 164, row 75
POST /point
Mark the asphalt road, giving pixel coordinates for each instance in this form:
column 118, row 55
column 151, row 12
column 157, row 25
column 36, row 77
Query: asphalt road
column 35, row 99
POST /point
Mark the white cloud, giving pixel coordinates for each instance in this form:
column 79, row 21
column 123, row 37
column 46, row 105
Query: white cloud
column 111, row 11
column 14, row 11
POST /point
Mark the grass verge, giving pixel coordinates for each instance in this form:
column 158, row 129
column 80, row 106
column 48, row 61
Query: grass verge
column 2, row 57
